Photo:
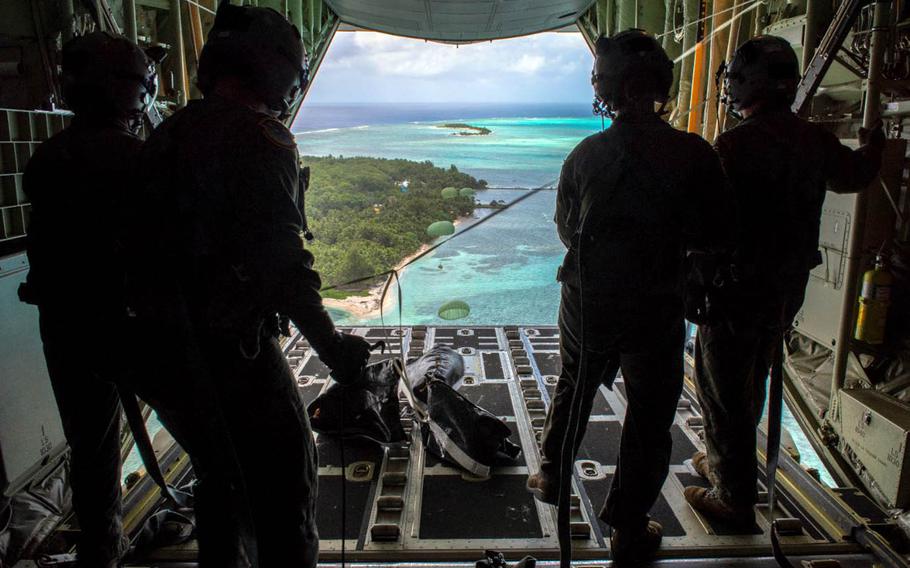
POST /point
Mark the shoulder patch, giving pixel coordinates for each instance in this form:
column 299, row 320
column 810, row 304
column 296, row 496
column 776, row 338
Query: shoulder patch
column 277, row 133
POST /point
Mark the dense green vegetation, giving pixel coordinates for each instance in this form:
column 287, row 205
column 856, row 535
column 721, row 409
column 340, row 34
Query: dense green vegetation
column 366, row 221
column 466, row 129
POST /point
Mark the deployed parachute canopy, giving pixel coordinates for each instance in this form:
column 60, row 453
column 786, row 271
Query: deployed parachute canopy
column 466, row 192
column 440, row 228
column 449, row 193
column 454, row 309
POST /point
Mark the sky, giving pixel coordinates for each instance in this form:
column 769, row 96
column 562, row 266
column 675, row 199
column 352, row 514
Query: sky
column 364, row 67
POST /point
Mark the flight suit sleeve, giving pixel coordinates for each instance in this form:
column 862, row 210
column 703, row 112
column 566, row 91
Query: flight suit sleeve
column 711, row 213
column 268, row 225
column 567, row 202
column 847, row 170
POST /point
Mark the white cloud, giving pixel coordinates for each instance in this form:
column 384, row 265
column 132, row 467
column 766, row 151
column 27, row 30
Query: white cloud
column 543, row 67
column 529, row 64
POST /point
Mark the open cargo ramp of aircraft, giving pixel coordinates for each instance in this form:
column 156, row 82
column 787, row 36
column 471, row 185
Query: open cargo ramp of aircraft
column 404, row 505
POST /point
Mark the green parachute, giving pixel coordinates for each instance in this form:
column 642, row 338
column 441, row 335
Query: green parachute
column 466, row 192
column 440, row 229
column 449, row 193
column 453, row 310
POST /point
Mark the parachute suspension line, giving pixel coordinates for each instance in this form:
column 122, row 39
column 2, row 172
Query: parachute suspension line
column 676, row 117
column 200, row 6
column 754, row 4
column 385, row 289
column 710, row 37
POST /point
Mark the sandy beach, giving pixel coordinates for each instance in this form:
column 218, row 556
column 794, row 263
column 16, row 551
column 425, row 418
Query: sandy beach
column 363, row 307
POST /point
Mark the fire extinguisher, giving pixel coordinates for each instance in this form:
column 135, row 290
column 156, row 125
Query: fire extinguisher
column 873, row 303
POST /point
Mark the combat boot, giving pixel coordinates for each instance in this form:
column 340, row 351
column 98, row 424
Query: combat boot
column 544, row 488
column 630, row 547
column 710, row 503
column 700, row 464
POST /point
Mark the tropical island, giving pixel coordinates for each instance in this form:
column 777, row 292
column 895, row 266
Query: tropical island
column 466, row 129
column 372, row 214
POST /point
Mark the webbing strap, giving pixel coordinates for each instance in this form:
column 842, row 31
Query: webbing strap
column 136, row 421
column 776, row 549
column 775, row 412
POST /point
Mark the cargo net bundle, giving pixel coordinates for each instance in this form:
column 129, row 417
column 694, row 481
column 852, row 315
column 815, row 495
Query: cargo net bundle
column 453, row 428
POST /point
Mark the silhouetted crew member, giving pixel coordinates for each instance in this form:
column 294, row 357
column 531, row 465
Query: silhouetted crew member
column 218, row 254
column 631, row 201
column 76, row 183
column 779, row 167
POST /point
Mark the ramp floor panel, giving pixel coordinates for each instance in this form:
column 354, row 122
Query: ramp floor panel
column 498, row 508
column 547, row 363
column 492, row 397
column 601, row 442
column 315, row 368
column 354, row 451
column 492, row 366
column 661, row 511
column 328, row 507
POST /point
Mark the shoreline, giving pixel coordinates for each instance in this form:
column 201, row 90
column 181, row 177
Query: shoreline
column 361, row 307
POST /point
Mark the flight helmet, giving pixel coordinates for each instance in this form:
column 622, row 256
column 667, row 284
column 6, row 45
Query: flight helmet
column 635, row 66
column 108, row 76
column 763, row 70
column 260, row 47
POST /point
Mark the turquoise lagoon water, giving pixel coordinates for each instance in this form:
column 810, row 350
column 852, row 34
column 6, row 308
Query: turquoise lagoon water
column 506, row 269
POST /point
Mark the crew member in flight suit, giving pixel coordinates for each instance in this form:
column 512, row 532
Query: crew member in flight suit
column 631, row 201
column 77, row 182
column 217, row 255
column 779, row 167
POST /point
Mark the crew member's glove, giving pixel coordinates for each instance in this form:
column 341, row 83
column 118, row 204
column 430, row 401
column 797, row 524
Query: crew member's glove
column 872, row 137
column 347, row 357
